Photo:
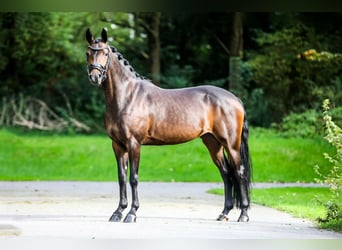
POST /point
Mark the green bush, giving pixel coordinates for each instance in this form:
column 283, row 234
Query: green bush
column 334, row 177
column 307, row 124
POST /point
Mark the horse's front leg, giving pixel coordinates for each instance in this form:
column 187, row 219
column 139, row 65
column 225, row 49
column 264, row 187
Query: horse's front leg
column 134, row 158
column 121, row 156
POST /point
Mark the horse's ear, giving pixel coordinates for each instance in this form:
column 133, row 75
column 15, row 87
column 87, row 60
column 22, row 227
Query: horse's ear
column 104, row 35
column 89, row 36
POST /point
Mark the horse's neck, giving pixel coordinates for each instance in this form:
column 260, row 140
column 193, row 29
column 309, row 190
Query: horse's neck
column 117, row 88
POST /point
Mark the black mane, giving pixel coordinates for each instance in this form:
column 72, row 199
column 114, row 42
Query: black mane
column 124, row 62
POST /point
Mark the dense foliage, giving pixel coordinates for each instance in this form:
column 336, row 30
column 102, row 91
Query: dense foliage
column 286, row 62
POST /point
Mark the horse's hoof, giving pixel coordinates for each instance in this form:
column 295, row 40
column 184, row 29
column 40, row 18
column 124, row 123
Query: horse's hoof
column 243, row 218
column 116, row 217
column 130, row 218
column 223, row 217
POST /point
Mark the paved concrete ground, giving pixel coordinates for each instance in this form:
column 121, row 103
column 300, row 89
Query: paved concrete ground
column 79, row 210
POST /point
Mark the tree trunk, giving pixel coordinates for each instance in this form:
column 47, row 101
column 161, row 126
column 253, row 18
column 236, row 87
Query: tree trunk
column 12, row 75
column 235, row 48
column 151, row 26
column 236, row 39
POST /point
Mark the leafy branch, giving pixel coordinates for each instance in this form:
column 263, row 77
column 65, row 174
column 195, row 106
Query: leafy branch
column 334, row 177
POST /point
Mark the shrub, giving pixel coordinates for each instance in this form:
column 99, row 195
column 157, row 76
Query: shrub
column 307, row 124
column 334, row 177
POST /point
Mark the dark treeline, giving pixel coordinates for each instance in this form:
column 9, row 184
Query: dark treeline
column 277, row 63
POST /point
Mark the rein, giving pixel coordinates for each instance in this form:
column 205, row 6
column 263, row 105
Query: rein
column 99, row 67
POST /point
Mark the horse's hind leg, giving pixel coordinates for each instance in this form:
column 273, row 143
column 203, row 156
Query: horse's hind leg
column 216, row 151
column 241, row 183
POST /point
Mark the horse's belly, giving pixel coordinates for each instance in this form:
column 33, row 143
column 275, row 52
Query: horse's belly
column 164, row 135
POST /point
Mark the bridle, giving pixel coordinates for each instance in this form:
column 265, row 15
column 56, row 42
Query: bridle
column 99, row 67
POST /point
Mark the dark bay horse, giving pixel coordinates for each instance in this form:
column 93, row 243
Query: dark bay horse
column 140, row 113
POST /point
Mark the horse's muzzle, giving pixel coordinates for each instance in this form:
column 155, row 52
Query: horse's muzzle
column 95, row 79
column 97, row 74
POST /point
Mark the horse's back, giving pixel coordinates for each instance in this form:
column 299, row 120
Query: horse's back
column 184, row 114
column 198, row 93
column 200, row 101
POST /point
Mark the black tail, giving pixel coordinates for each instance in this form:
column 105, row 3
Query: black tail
column 247, row 163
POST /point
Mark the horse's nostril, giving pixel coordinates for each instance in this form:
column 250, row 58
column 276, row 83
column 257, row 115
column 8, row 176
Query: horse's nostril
column 94, row 78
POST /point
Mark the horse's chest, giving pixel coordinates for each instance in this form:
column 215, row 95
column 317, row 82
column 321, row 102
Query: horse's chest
column 123, row 126
column 114, row 127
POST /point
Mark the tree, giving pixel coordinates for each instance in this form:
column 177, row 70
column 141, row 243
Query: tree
column 291, row 82
column 42, row 55
column 36, row 51
column 140, row 25
column 235, row 52
column 151, row 22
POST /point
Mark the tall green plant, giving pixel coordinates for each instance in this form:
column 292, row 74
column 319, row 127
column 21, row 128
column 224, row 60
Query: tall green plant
column 334, row 176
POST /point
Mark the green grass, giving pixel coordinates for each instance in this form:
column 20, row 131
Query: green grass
column 279, row 159
column 299, row 201
column 54, row 157
column 37, row 156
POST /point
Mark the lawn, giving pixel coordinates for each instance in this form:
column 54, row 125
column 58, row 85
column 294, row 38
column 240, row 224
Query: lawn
column 37, row 156
column 302, row 202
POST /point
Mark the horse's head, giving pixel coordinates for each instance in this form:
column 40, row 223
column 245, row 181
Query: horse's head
column 98, row 58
